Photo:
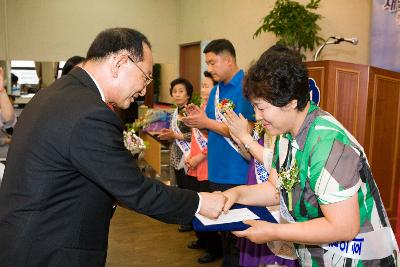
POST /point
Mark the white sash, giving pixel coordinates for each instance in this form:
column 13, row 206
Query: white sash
column 284, row 210
column 283, row 150
column 220, row 118
column 201, row 140
column 259, row 168
column 377, row 244
column 182, row 144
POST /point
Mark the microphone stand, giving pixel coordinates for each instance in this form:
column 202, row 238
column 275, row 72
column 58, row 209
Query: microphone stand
column 328, row 41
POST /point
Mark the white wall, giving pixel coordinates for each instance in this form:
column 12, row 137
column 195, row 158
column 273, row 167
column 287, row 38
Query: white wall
column 52, row 30
column 237, row 20
column 49, row 30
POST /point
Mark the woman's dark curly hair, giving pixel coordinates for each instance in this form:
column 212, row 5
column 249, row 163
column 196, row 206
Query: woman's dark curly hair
column 279, row 76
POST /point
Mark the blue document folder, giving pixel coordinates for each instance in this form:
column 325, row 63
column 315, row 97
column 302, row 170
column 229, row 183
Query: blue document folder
column 261, row 212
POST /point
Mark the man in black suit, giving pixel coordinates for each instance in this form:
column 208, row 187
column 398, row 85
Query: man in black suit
column 67, row 164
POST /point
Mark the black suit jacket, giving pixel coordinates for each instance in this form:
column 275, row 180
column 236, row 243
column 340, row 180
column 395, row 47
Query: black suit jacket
column 66, row 167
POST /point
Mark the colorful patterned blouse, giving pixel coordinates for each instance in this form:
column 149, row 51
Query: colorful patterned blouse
column 332, row 167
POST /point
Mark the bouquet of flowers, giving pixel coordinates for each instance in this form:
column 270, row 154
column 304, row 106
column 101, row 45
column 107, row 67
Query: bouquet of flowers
column 225, row 104
column 132, row 142
column 138, row 124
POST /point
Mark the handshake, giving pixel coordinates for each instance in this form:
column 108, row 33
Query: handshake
column 213, row 204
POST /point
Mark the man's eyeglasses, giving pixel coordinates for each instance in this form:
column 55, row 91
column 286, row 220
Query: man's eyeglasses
column 148, row 79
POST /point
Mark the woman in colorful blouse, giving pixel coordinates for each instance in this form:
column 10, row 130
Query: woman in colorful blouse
column 320, row 176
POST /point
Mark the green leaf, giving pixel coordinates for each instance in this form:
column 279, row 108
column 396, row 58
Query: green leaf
column 293, row 24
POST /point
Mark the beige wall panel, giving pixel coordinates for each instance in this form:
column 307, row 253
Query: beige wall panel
column 2, row 31
column 168, row 73
column 237, row 20
column 49, row 30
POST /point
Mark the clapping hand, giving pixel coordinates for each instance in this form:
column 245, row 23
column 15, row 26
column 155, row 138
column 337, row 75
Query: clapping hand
column 239, row 127
column 196, row 117
column 190, row 108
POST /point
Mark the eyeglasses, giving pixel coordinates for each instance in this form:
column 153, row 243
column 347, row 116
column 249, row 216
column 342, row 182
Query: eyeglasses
column 148, row 79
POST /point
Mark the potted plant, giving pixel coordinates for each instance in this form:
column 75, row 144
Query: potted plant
column 294, row 24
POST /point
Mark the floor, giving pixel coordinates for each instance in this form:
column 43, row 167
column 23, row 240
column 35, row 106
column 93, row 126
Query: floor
column 137, row 240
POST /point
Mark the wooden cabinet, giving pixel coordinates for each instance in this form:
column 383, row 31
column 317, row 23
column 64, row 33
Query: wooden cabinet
column 366, row 100
column 157, row 153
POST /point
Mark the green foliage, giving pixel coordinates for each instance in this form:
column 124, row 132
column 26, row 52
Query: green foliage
column 294, row 24
column 196, row 99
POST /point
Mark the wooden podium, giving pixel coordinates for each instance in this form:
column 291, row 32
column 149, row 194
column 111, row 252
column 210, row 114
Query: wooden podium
column 366, row 100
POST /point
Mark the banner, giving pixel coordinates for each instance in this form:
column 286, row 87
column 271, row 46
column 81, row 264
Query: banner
column 385, row 34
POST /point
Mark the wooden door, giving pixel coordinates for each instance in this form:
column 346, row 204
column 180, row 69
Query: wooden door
column 189, row 64
column 383, row 136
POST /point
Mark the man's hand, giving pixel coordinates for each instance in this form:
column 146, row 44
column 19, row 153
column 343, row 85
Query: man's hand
column 212, row 204
column 196, row 117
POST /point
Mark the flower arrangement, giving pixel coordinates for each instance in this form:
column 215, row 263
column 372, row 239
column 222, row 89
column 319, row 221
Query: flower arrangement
column 288, row 179
column 149, row 117
column 225, row 104
column 139, row 124
column 132, row 142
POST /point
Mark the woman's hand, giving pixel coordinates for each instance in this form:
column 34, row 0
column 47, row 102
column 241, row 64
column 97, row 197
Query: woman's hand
column 232, row 195
column 194, row 161
column 238, row 126
column 196, row 117
column 259, row 232
column 166, row 134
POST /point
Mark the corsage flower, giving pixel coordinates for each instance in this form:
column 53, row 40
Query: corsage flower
column 259, row 129
column 225, row 104
column 288, row 179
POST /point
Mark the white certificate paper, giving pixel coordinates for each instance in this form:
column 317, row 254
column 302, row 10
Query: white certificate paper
column 235, row 215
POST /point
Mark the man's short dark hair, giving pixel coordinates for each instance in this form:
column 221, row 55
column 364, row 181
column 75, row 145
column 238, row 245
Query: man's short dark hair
column 188, row 85
column 219, row 46
column 113, row 40
column 208, row 75
column 278, row 77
